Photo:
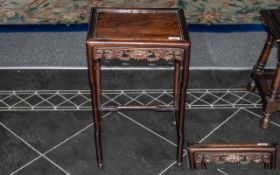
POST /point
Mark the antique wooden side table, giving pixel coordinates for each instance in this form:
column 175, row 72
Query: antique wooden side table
column 259, row 75
column 141, row 34
column 258, row 153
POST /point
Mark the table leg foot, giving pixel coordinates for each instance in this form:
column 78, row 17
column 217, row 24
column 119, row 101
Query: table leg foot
column 100, row 165
column 251, row 86
column 265, row 121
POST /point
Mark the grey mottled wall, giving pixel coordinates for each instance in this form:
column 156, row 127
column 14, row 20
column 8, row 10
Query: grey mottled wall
column 66, row 49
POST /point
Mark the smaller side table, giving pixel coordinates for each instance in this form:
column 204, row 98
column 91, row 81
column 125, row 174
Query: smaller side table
column 259, row 153
column 139, row 34
column 271, row 104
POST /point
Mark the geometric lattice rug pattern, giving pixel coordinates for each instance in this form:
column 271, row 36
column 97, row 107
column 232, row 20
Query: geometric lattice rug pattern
column 81, row 100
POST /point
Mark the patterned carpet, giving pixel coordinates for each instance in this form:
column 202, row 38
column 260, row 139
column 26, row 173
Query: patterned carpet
column 38, row 100
column 77, row 11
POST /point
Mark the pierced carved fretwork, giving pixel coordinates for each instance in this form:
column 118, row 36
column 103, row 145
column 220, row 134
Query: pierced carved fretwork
column 232, row 158
column 149, row 54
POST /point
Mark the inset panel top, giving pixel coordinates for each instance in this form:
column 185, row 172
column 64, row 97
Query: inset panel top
column 137, row 25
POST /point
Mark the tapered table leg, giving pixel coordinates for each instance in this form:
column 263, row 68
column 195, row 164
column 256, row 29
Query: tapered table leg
column 181, row 120
column 97, row 73
column 192, row 161
column 175, row 91
column 92, row 70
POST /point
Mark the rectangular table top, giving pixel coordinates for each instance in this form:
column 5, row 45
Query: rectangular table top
column 143, row 25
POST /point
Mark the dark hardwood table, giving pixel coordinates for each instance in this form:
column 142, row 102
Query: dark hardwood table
column 139, row 34
column 258, row 153
column 271, row 19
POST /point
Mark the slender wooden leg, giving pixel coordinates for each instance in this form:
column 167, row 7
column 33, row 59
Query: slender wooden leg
column 181, row 120
column 97, row 73
column 203, row 165
column 175, row 91
column 259, row 67
column 271, row 103
column 192, row 161
column 266, row 165
column 96, row 112
column 273, row 160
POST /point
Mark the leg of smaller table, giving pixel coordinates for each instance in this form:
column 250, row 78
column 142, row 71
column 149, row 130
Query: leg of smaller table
column 273, row 160
column 175, row 91
column 96, row 112
column 266, row 166
column 203, row 165
column 192, row 160
column 271, row 103
column 182, row 100
column 259, row 67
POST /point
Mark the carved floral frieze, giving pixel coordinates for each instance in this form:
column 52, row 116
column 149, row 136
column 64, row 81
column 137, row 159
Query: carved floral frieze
column 149, row 54
column 232, row 158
